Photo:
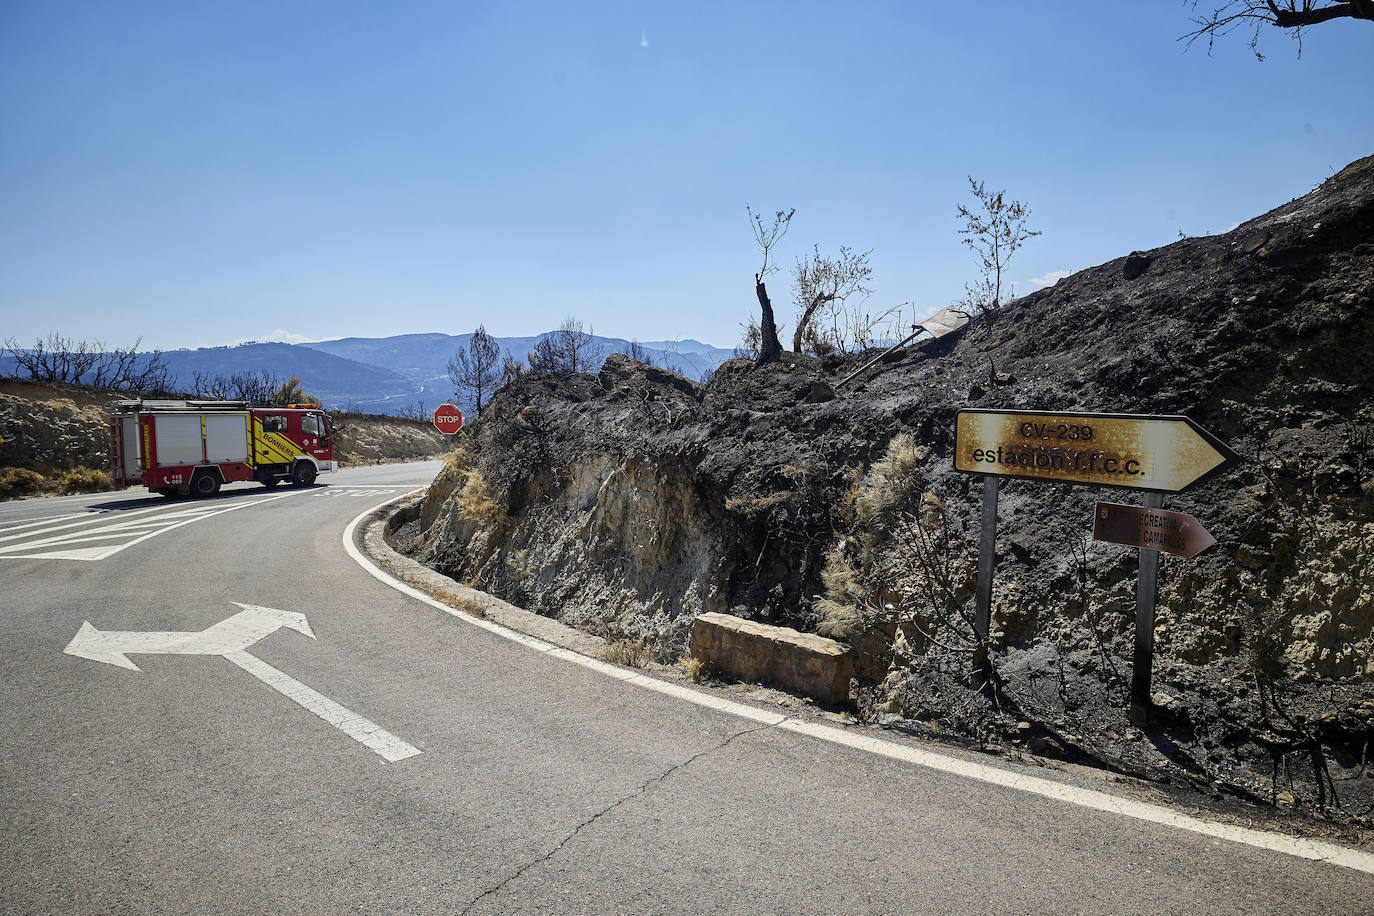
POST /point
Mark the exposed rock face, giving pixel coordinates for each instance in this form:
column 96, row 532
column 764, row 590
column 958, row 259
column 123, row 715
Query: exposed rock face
column 48, row 428
column 633, row 502
column 372, row 439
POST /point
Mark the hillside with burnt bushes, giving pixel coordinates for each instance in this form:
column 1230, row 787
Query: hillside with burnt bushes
column 630, row 502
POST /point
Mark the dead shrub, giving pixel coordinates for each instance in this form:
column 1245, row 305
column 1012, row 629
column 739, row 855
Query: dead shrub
column 16, row 482
column 83, row 480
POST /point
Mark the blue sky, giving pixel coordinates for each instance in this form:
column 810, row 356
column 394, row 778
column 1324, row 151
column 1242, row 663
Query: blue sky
column 201, row 173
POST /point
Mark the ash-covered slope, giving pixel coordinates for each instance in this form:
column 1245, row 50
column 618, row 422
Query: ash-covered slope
column 631, row 502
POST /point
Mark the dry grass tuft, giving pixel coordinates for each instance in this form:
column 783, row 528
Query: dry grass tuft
column 839, row 621
column 461, row 603
column 756, row 505
column 696, row 669
column 475, row 502
column 633, row 653
column 893, row 483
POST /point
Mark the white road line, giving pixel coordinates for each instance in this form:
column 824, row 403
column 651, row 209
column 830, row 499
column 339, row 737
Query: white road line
column 364, row 731
column 1297, row 847
column 87, row 520
column 46, row 519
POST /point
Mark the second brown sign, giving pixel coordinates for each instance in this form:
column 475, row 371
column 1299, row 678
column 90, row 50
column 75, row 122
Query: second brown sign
column 1156, row 529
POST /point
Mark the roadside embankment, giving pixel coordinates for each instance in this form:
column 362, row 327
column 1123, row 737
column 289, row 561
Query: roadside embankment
column 629, row 503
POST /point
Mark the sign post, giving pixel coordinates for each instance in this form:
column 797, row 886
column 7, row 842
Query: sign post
column 1156, row 454
column 987, row 556
column 1143, row 657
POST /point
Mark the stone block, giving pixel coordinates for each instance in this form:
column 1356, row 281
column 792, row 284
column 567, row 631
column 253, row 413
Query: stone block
column 757, row 652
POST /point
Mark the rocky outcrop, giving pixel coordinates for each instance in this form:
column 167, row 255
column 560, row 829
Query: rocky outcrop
column 632, row 503
column 373, row 439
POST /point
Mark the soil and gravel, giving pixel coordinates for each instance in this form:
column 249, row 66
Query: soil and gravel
column 626, row 504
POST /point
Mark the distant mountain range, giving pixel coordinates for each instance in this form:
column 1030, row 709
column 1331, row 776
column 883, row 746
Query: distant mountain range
column 423, row 358
column 390, row 374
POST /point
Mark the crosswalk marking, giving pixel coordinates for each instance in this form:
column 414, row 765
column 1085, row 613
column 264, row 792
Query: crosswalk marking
column 90, row 537
column 42, row 521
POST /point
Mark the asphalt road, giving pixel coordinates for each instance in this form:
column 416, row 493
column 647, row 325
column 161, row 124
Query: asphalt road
column 520, row 782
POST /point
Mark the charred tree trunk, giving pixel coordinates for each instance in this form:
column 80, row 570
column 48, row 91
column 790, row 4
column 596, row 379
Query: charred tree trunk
column 805, row 320
column 770, row 348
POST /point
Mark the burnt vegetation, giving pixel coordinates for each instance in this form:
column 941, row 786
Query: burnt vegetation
column 629, row 501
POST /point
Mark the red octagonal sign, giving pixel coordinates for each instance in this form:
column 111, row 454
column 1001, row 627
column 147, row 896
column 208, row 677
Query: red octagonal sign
column 448, row 419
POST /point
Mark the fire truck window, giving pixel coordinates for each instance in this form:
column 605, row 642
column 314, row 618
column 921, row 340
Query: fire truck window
column 274, row 424
column 310, row 425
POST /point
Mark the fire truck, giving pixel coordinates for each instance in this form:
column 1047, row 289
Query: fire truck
column 192, row 448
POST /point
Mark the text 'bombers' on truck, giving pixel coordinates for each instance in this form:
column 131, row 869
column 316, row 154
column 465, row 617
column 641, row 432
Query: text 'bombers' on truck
column 194, row 447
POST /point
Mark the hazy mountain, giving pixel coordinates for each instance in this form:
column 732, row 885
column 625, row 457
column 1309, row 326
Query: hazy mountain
column 333, row 379
column 388, row 374
column 423, row 358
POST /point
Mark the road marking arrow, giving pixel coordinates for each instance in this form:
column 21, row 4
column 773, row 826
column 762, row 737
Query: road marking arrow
column 231, row 638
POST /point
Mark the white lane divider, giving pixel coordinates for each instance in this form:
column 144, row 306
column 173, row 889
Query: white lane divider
column 231, row 639
column 1297, row 847
column 87, row 538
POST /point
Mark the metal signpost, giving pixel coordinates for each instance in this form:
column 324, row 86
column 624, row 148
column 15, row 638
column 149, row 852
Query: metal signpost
column 1156, row 454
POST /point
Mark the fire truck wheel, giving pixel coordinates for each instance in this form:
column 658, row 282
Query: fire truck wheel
column 205, row 484
column 303, row 475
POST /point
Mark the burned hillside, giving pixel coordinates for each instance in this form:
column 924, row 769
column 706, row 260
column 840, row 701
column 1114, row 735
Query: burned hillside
column 630, row 502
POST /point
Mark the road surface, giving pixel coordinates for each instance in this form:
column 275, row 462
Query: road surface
column 286, row 733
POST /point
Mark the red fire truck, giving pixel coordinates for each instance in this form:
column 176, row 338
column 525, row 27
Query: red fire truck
column 180, row 448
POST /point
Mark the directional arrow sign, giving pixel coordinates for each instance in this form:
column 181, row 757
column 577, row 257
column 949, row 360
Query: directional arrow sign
column 1167, row 454
column 1156, row 529
column 231, row 638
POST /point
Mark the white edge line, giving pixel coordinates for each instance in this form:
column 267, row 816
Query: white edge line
column 1298, row 847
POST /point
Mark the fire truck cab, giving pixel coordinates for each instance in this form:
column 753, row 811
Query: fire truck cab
column 194, row 447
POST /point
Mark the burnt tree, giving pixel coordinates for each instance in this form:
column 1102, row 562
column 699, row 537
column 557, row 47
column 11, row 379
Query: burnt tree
column 770, row 348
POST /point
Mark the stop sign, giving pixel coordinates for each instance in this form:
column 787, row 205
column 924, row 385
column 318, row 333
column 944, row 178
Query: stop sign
column 448, row 419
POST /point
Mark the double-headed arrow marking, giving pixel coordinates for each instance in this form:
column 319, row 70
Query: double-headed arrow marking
column 231, row 638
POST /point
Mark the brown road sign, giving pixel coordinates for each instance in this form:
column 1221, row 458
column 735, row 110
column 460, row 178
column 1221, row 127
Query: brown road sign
column 1168, row 454
column 1157, row 529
